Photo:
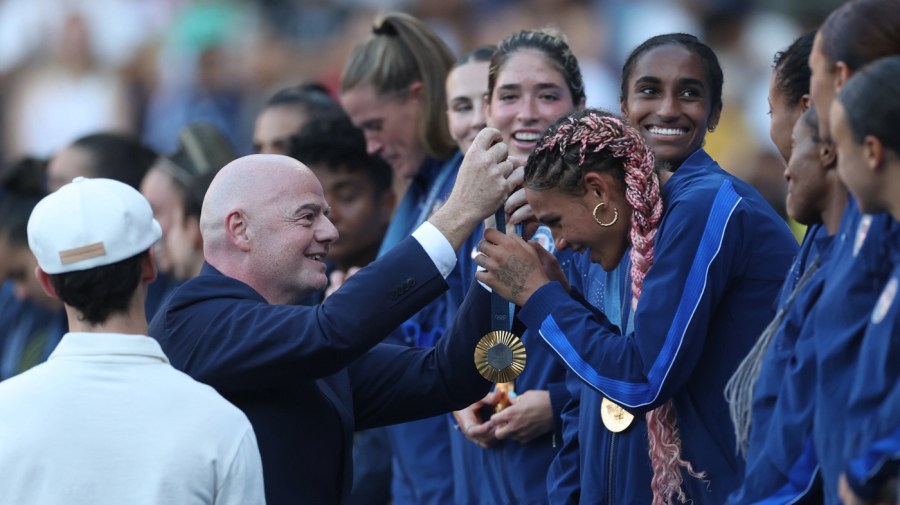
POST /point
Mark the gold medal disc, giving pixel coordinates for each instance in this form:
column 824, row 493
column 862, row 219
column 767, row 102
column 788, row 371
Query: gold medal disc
column 615, row 418
column 500, row 356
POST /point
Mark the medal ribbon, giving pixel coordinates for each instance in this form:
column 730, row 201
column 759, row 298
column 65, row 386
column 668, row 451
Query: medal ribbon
column 500, row 355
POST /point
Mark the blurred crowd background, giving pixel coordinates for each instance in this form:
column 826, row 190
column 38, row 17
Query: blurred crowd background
column 148, row 67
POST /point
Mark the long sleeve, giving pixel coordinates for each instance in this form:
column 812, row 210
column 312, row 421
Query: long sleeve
column 223, row 333
column 396, row 383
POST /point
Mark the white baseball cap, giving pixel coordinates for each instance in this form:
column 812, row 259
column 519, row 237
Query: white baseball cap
column 90, row 223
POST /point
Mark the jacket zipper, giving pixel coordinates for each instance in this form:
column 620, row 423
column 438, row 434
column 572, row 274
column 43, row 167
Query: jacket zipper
column 609, row 466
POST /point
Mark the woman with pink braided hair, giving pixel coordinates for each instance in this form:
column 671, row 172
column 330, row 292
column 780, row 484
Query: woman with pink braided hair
column 708, row 256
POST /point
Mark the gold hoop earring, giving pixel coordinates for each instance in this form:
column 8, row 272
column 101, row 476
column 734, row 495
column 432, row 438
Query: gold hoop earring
column 601, row 223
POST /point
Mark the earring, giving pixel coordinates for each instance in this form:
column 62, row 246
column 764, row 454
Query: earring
column 711, row 128
column 601, row 223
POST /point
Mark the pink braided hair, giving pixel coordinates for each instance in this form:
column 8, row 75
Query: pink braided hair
column 593, row 131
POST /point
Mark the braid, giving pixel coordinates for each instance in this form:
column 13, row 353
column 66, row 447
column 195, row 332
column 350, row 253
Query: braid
column 593, row 132
column 594, row 140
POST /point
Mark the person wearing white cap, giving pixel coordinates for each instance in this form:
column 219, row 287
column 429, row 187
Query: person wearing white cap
column 107, row 419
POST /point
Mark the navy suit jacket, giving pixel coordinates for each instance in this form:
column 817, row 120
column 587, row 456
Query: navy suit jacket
column 308, row 376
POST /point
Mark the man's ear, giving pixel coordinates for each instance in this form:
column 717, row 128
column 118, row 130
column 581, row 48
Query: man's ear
column 804, row 103
column 44, row 280
column 149, row 270
column 236, row 230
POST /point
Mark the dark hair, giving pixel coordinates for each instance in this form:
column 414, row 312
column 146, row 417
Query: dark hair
column 403, row 50
column 117, row 156
column 549, row 42
column 100, row 292
column 694, row 46
column 861, row 31
column 202, row 151
column 481, row 54
column 792, row 69
column 193, row 195
column 22, row 185
column 202, row 148
column 312, row 97
column 338, row 145
column 871, row 99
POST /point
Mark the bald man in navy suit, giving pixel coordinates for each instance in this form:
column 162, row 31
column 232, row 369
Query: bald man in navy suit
column 307, row 377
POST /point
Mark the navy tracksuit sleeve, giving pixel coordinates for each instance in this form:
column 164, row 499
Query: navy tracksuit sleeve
column 696, row 253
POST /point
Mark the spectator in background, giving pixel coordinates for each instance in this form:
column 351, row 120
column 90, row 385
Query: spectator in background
column 175, row 186
column 201, row 75
column 357, row 186
column 108, row 155
column 153, row 434
column 68, row 96
column 31, row 323
column 287, row 111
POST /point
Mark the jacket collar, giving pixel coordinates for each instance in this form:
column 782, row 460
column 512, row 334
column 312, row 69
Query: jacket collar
column 75, row 345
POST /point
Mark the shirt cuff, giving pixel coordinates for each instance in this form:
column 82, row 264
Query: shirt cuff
column 485, row 286
column 437, row 247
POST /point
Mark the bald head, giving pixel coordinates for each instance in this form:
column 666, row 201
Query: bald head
column 264, row 222
column 246, row 184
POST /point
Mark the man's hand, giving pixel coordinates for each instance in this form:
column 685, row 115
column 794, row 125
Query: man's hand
column 529, row 416
column 513, row 268
column 482, row 186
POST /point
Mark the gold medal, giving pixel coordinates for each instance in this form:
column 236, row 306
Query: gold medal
column 500, row 356
column 615, row 418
